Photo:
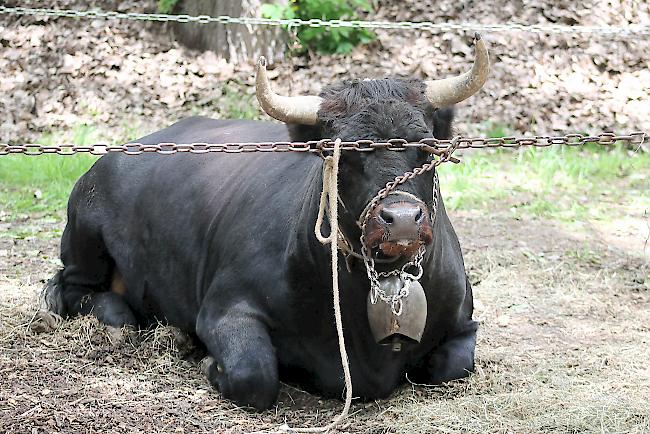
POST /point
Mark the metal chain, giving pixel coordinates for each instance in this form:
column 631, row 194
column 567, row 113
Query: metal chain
column 624, row 30
column 434, row 204
column 436, row 147
column 395, row 300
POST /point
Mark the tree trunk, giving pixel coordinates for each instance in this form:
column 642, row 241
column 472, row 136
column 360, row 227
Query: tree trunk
column 234, row 42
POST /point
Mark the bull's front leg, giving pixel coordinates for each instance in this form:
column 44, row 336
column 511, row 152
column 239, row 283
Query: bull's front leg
column 454, row 357
column 452, row 360
column 245, row 367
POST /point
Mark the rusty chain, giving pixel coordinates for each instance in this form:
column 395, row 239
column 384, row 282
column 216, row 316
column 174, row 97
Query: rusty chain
column 431, row 145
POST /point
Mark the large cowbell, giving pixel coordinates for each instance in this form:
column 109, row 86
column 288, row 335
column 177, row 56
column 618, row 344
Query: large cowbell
column 391, row 329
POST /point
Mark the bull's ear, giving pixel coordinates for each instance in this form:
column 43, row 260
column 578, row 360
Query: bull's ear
column 442, row 123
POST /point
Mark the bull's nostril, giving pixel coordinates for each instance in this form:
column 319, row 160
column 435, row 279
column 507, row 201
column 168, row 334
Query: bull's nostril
column 419, row 216
column 386, row 216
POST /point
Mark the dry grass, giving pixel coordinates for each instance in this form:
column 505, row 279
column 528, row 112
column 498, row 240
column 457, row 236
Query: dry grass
column 563, row 347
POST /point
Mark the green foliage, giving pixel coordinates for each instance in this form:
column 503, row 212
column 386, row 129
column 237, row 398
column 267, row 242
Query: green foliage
column 237, row 104
column 166, row 6
column 324, row 39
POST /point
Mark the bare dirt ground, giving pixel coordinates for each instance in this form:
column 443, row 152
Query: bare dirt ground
column 563, row 345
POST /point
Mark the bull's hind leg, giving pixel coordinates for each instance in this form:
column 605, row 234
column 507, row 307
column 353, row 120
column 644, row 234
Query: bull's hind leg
column 83, row 286
column 245, row 367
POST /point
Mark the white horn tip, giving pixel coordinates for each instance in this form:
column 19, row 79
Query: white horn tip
column 262, row 61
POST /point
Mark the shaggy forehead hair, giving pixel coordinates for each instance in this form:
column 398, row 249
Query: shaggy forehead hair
column 381, row 109
column 376, row 110
column 352, row 96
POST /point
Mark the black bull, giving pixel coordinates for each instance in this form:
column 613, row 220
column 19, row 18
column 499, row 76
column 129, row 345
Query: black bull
column 223, row 246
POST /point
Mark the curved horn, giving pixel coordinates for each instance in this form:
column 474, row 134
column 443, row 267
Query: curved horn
column 295, row 110
column 448, row 91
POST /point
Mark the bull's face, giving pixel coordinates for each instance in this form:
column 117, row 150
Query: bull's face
column 379, row 110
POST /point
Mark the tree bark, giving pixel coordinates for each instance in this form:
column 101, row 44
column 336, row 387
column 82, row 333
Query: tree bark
column 234, row 42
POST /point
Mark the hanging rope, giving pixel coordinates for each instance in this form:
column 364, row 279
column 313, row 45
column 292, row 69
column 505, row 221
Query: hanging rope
column 329, row 199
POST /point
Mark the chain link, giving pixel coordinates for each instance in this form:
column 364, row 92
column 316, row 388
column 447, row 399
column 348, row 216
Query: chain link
column 625, row 30
column 436, row 147
column 395, row 300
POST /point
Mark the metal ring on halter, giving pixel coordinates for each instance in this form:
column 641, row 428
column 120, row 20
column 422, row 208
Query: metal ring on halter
column 417, row 263
column 405, row 290
column 396, row 302
column 412, row 277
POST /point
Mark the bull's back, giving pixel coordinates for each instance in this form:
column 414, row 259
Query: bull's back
column 198, row 129
column 171, row 223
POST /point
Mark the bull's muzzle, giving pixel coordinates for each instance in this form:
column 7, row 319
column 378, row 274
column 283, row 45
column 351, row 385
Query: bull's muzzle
column 399, row 228
column 389, row 328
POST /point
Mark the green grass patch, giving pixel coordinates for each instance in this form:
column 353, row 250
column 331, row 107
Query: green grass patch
column 495, row 129
column 39, row 183
column 42, row 183
column 559, row 182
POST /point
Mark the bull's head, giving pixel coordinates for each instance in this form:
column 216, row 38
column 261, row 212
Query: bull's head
column 378, row 110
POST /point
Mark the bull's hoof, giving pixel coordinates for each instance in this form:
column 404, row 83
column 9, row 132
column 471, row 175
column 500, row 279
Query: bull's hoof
column 109, row 308
column 45, row 322
column 246, row 387
column 205, row 365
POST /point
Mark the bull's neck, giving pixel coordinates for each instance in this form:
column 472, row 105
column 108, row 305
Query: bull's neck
column 435, row 255
column 310, row 248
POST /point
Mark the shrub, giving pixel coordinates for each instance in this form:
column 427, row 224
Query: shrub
column 166, row 6
column 324, row 39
